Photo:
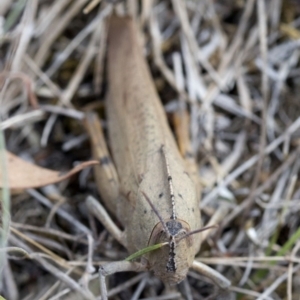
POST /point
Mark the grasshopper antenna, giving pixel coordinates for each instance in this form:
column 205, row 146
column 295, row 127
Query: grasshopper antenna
column 172, row 243
column 198, row 231
column 166, row 228
column 156, row 212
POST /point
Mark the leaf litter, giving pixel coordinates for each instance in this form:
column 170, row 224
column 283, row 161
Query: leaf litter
column 235, row 66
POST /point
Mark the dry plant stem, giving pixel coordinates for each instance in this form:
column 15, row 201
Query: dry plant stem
column 249, row 292
column 276, row 283
column 72, row 46
column 49, row 243
column 238, row 38
column 261, row 11
column 10, row 282
column 248, row 201
column 166, row 297
column 56, row 91
column 60, row 261
column 132, row 9
column 52, row 32
column 224, row 69
column 196, row 89
column 231, row 160
column 187, row 290
column 51, row 290
column 69, row 92
column 125, row 285
column 238, row 261
column 271, row 220
column 283, row 204
column 290, row 272
column 59, row 295
column 55, row 271
column 158, row 57
column 27, row 86
column 250, row 162
column 216, row 219
column 26, row 34
column 212, row 274
column 91, row 6
column 47, row 129
column 75, row 143
column 181, row 124
column 282, row 259
column 281, row 82
column 50, row 231
column 146, row 11
column 22, row 119
column 89, row 266
column 248, row 269
column 249, row 266
column 99, row 61
column 180, row 9
column 244, row 93
column 4, row 5
column 62, row 213
column 64, row 111
column 139, row 289
column 55, row 10
column 114, row 267
column 100, row 212
column 53, row 211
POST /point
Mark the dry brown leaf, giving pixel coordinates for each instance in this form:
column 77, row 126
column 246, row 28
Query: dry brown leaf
column 25, row 175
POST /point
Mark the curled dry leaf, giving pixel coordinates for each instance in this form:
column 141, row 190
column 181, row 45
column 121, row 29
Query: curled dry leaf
column 25, row 175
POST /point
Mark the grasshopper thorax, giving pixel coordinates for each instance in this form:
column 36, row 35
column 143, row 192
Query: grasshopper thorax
column 171, row 262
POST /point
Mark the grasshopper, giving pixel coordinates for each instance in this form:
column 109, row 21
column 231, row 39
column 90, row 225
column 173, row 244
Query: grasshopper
column 149, row 188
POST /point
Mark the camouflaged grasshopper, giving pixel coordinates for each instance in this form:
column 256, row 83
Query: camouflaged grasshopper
column 150, row 190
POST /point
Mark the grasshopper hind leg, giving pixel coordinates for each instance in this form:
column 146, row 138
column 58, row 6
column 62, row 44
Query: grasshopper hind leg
column 106, row 179
column 105, row 173
column 108, row 186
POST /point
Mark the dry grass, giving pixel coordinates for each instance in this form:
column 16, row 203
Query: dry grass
column 236, row 65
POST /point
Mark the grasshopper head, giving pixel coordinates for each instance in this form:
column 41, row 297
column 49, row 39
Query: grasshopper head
column 171, row 262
